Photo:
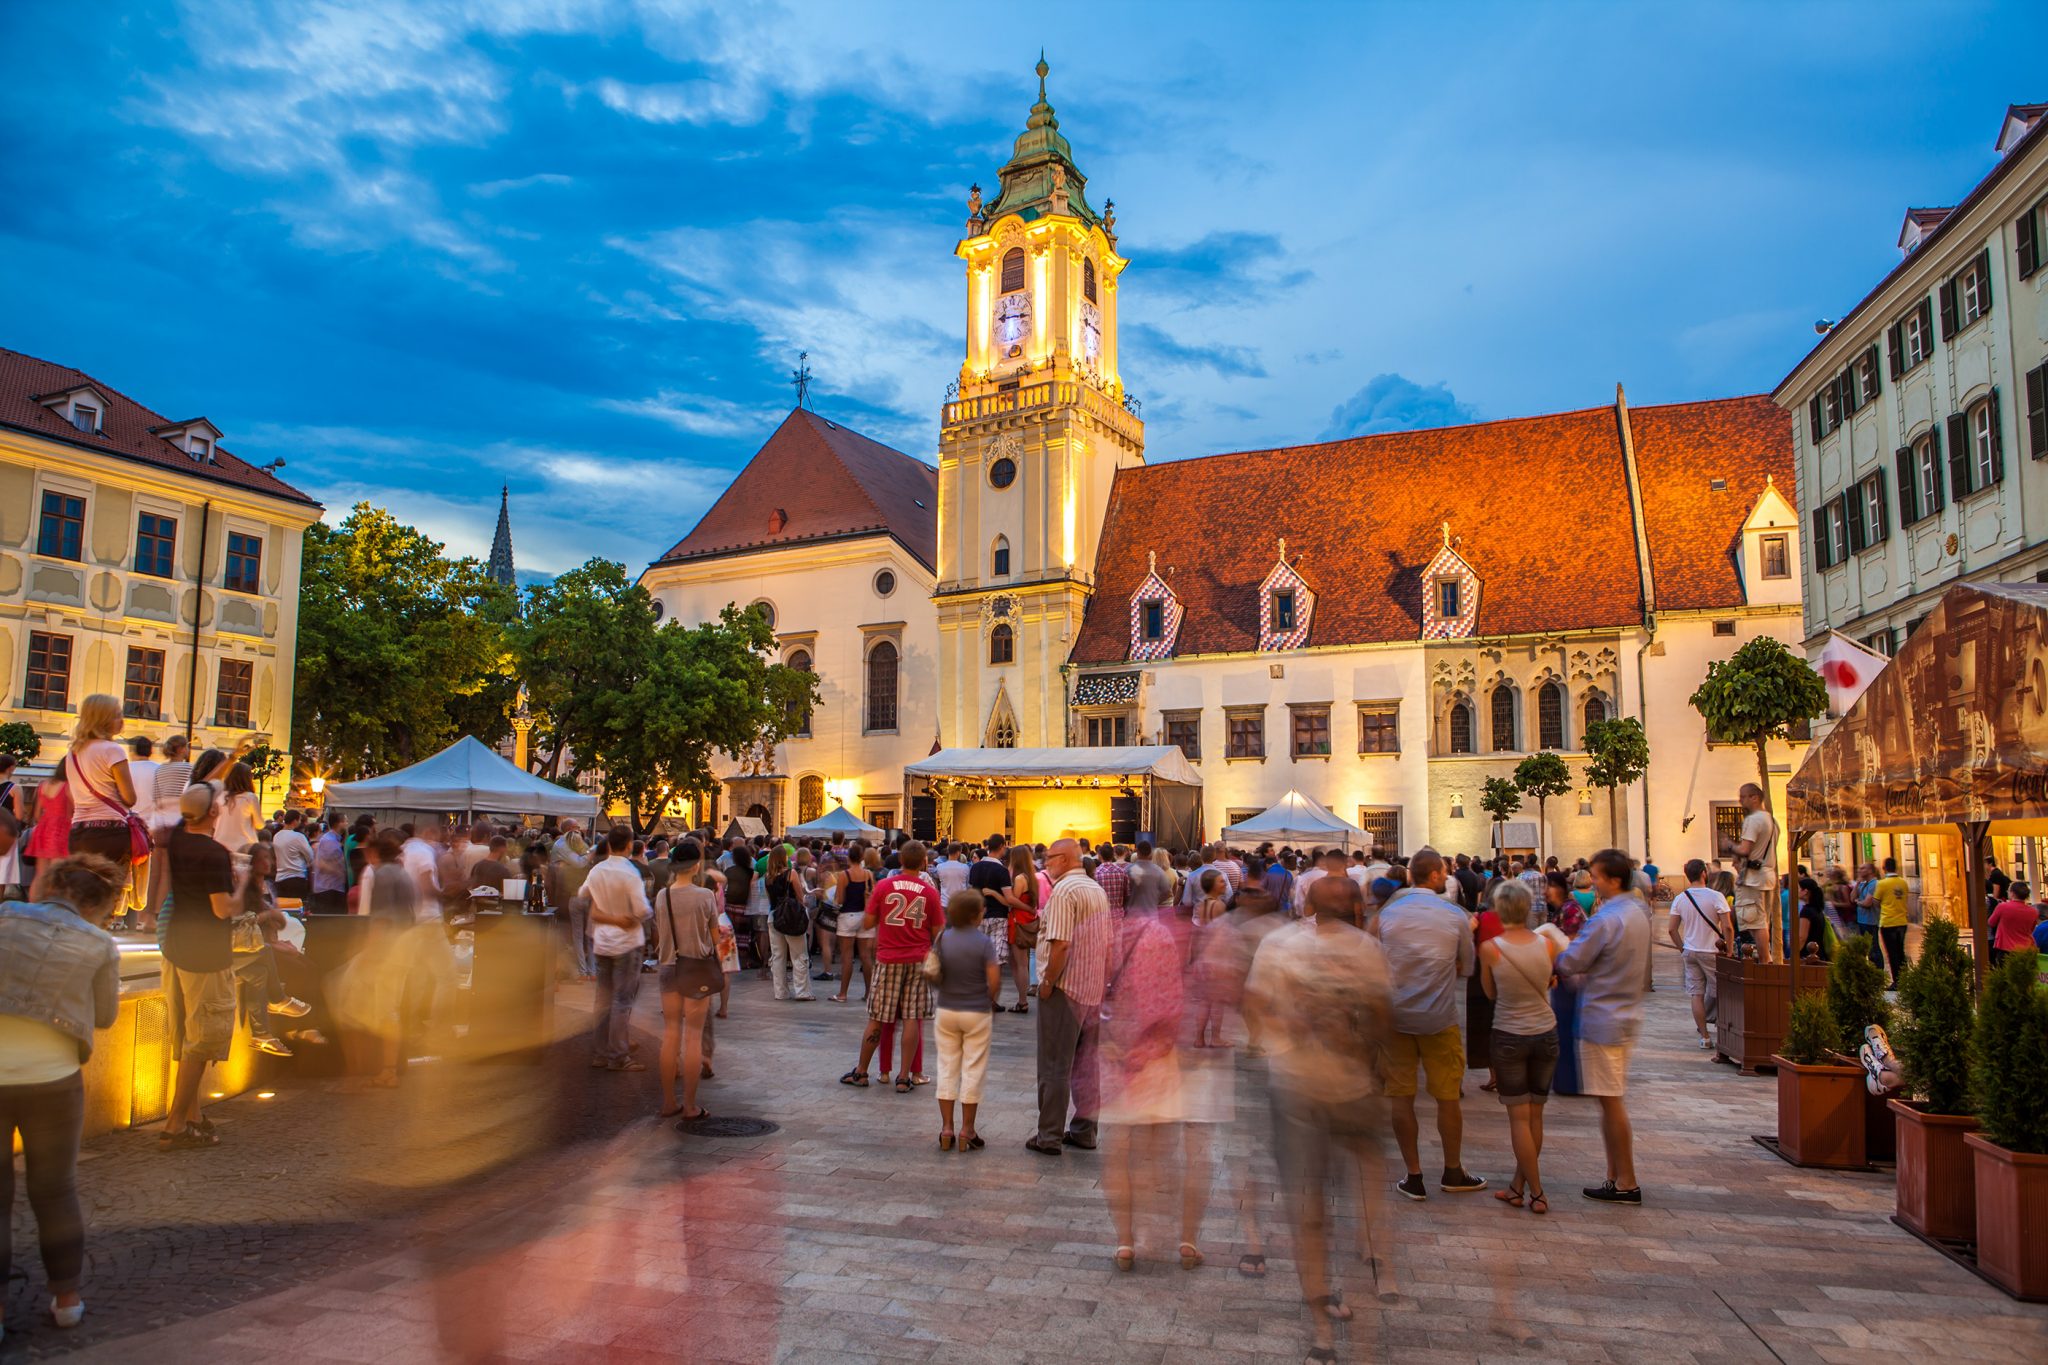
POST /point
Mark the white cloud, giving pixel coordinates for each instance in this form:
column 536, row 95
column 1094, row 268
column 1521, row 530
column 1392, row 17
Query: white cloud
column 696, row 414
column 491, row 189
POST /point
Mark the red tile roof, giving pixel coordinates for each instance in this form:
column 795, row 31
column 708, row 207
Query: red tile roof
column 1537, row 505
column 124, row 427
column 1695, row 530
column 816, row 480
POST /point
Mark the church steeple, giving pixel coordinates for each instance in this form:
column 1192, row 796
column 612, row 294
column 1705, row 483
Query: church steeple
column 500, row 566
column 1041, row 177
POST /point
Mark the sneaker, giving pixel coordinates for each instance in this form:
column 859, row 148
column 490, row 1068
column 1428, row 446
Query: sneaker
column 1413, row 1187
column 1606, row 1193
column 67, row 1317
column 1705, row 1043
column 291, row 1007
column 1461, row 1181
column 275, row 1047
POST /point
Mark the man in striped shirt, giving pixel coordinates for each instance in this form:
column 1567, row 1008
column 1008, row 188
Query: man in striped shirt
column 1075, row 940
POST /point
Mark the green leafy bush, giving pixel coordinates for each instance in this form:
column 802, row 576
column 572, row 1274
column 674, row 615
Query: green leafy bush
column 2010, row 1069
column 1856, row 992
column 1811, row 1035
column 19, row 740
column 1932, row 1035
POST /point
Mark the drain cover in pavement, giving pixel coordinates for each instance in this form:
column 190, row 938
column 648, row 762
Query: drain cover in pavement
column 733, row 1127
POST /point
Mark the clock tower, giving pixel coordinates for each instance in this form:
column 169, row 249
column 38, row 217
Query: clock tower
column 1030, row 445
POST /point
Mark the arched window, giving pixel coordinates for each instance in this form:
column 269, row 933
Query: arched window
column 1002, row 645
column 999, row 558
column 1596, row 711
column 1502, row 707
column 810, row 799
column 1550, row 716
column 1013, row 270
column 1461, row 727
column 801, row 662
column 1088, row 280
column 882, row 686
column 767, row 610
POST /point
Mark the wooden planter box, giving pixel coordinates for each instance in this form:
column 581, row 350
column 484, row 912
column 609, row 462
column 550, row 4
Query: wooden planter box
column 1880, row 1133
column 1820, row 1115
column 1937, row 1173
column 2012, row 1218
column 1754, row 1005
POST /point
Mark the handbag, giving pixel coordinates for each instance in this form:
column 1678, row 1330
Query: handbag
column 138, row 833
column 1024, row 931
column 933, row 968
column 245, row 934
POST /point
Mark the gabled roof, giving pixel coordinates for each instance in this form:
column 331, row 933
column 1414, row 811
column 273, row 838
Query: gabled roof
column 126, row 427
column 816, row 480
column 1366, row 517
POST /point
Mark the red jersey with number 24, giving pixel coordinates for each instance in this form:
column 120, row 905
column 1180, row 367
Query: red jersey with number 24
column 907, row 916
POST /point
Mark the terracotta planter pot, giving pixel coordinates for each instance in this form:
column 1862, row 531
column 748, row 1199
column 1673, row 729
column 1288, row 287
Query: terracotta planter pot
column 1880, row 1138
column 1820, row 1114
column 2012, row 1218
column 1937, row 1173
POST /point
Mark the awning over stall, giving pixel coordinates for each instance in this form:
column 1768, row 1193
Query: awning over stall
column 466, row 776
column 1123, row 763
column 1298, row 819
column 838, row 820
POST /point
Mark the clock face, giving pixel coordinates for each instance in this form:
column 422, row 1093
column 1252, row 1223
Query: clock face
column 1013, row 320
column 1091, row 333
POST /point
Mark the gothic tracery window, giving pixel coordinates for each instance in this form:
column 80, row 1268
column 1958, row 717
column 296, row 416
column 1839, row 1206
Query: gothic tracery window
column 1501, row 707
column 1550, row 716
column 1461, row 727
column 1596, row 711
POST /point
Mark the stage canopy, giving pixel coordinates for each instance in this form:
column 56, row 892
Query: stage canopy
column 1298, row 819
column 838, row 820
column 467, row 777
column 1120, row 764
column 1952, row 732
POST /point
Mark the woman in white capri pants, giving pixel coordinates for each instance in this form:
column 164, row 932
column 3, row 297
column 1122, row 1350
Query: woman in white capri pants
column 970, row 980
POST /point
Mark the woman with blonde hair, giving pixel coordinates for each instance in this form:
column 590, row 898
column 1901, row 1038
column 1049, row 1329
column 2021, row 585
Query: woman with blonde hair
column 97, row 780
column 239, row 816
column 856, row 930
column 1515, row 973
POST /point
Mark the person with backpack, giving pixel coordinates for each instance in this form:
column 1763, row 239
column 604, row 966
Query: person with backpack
column 789, row 927
column 1702, row 928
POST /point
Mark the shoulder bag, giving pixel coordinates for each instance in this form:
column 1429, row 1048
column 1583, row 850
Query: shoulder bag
column 138, row 833
column 934, row 968
column 1722, row 943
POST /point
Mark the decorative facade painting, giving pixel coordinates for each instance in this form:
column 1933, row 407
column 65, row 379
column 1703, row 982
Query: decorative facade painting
column 1285, row 605
column 1450, row 594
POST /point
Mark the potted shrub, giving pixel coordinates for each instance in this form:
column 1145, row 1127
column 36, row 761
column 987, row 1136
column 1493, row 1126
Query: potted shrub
column 1856, row 999
column 1937, row 1173
column 1820, row 1101
column 2009, row 1073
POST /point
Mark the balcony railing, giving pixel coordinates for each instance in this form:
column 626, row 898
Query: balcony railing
column 1046, row 393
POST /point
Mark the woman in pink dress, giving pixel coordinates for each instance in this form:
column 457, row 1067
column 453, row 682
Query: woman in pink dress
column 1140, row 1069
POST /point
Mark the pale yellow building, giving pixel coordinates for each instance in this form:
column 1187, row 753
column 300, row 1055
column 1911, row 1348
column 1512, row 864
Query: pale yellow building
column 140, row 559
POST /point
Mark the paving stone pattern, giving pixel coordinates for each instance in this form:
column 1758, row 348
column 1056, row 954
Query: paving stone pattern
column 309, row 1234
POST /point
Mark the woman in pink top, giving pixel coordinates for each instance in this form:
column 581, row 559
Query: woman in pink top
column 102, row 795
column 2012, row 923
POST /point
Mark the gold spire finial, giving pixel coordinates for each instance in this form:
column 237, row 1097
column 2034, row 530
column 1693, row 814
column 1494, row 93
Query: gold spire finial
column 1042, row 69
column 1447, row 535
column 1151, row 561
column 1283, row 549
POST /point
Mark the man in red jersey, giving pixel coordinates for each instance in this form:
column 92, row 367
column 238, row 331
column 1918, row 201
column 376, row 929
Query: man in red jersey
column 907, row 914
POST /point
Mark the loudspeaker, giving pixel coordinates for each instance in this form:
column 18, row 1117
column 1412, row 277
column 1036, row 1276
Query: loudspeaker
column 1123, row 819
column 924, row 818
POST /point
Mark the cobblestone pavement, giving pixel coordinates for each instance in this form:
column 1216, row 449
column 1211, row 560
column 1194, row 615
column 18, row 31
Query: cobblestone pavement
column 308, row 1235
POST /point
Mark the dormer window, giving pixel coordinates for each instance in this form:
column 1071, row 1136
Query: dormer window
column 1283, row 611
column 1152, row 624
column 1447, row 603
column 200, row 448
column 85, row 417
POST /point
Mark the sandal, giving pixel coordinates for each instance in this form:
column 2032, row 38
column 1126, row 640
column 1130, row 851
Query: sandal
column 1190, row 1257
column 705, row 1072
column 669, row 1112
column 1020, row 1008
column 1537, row 1203
column 903, row 1085
column 859, row 1078
column 688, row 1119
column 973, row 1143
column 920, row 1080
column 1126, row 1258
column 191, row 1137
column 945, row 1142
column 1510, row 1196
column 1322, row 1355
column 1333, row 1304
column 1252, row 1265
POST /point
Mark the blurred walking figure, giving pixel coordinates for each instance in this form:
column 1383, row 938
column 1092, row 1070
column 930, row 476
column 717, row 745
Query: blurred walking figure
column 686, row 944
column 1514, row 970
column 1142, row 1105
column 1319, row 996
column 1428, row 943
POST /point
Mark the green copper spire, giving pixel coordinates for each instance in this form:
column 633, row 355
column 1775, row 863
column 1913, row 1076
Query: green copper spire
column 1041, row 168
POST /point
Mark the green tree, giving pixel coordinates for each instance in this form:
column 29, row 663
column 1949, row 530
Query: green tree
column 1811, row 1033
column 1542, row 776
column 1756, row 695
column 584, row 640
column 266, row 765
column 399, row 645
column 19, row 740
column 1499, row 798
column 1620, row 754
column 1935, row 1026
column 1856, row 992
column 2009, row 1065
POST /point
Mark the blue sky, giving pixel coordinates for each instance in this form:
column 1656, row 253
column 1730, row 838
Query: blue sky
column 420, row 248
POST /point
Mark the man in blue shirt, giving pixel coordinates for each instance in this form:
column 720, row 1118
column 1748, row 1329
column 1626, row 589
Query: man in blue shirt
column 1428, row 943
column 1609, row 961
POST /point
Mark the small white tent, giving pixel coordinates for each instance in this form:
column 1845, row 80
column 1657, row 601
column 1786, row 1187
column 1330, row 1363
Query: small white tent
column 468, row 777
column 1298, row 819
column 838, row 820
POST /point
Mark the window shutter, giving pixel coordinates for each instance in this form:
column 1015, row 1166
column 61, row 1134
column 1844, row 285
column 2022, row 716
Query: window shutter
column 1927, row 319
column 1997, row 441
column 1984, row 280
column 1909, row 487
column 1852, row 509
column 1813, row 413
column 1934, row 452
column 1851, row 399
column 1820, row 537
column 2037, row 410
column 2023, row 230
column 1894, row 344
column 1871, row 367
column 1948, row 310
column 1958, row 457
column 1883, row 529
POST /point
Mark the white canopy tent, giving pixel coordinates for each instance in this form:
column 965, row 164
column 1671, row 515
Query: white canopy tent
column 466, row 776
column 1298, row 819
column 838, row 820
column 1125, row 763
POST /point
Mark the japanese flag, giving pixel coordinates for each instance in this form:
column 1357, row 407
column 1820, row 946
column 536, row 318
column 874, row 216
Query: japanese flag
column 1847, row 668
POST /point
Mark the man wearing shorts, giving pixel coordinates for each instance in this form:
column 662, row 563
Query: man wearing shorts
column 1702, row 926
column 1756, row 886
column 1607, row 961
column 199, row 958
column 1428, row 942
column 906, row 913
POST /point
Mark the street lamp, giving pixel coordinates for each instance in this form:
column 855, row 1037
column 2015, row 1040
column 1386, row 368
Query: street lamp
column 317, row 783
